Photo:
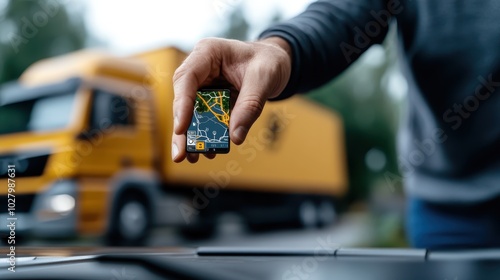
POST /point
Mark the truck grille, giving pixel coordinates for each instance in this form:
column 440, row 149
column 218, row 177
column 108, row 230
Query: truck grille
column 27, row 165
column 23, row 203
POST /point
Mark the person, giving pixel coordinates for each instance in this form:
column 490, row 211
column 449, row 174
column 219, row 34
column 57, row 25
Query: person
column 449, row 141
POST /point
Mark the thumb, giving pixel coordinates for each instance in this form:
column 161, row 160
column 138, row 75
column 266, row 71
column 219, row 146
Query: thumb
column 255, row 90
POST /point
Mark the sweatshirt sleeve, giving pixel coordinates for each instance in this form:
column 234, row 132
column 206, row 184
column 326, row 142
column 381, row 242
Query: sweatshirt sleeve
column 328, row 36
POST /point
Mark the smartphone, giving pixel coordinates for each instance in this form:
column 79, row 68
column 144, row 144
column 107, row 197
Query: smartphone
column 209, row 128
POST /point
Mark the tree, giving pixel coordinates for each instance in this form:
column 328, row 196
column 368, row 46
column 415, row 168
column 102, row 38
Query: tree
column 370, row 116
column 238, row 26
column 36, row 29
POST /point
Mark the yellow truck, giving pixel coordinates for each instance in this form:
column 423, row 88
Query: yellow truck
column 87, row 137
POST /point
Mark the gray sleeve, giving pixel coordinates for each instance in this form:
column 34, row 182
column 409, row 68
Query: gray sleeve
column 329, row 36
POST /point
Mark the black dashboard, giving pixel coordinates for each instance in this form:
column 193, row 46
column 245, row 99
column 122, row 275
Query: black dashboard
column 261, row 263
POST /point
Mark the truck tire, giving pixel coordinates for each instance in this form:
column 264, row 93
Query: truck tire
column 204, row 228
column 296, row 213
column 131, row 221
column 198, row 232
column 327, row 214
column 307, row 214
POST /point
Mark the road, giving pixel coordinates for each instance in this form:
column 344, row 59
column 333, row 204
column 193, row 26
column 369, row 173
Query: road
column 350, row 230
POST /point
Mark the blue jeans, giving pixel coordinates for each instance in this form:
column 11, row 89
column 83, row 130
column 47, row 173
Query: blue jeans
column 440, row 226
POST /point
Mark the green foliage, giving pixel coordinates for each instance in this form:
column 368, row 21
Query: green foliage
column 35, row 29
column 238, row 27
column 370, row 117
column 201, row 107
column 225, row 104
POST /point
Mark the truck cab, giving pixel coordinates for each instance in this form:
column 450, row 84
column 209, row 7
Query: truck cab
column 71, row 126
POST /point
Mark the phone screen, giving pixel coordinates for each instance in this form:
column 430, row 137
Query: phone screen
column 209, row 128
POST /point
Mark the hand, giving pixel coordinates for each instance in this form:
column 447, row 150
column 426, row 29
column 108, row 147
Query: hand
column 255, row 70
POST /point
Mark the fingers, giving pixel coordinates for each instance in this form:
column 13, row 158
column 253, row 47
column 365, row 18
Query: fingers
column 186, row 82
column 199, row 67
column 193, row 158
column 179, row 150
column 210, row 156
column 265, row 76
column 257, row 70
column 250, row 102
column 194, row 71
column 178, row 147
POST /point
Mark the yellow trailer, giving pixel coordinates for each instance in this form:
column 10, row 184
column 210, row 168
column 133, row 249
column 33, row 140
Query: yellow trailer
column 89, row 136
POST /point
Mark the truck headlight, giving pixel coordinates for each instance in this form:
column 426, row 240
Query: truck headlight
column 61, row 203
column 57, row 201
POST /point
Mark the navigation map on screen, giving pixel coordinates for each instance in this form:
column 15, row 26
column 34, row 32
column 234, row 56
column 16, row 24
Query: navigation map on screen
column 209, row 128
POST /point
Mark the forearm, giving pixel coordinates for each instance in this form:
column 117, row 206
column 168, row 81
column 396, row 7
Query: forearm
column 330, row 35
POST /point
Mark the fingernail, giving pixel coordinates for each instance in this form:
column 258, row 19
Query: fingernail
column 175, row 151
column 241, row 133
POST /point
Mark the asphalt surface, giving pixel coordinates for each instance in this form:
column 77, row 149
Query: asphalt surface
column 349, row 231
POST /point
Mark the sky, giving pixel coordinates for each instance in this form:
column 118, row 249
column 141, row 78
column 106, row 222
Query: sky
column 132, row 26
column 129, row 26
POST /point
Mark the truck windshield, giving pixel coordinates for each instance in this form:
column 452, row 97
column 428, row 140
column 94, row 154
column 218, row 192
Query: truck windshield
column 41, row 114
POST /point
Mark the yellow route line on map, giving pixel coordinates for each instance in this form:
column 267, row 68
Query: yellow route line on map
column 222, row 118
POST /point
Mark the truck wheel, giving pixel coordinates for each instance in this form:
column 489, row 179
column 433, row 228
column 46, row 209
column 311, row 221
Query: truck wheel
column 205, row 227
column 299, row 213
column 131, row 222
column 198, row 232
column 307, row 214
column 326, row 213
